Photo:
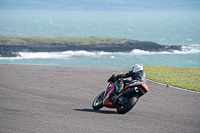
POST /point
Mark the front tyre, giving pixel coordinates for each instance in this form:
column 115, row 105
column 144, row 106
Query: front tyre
column 98, row 101
column 126, row 105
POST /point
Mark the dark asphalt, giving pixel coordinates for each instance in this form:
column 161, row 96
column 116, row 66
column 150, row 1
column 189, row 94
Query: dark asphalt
column 58, row 99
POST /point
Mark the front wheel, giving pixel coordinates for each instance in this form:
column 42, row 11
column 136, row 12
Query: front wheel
column 126, row 104
column 98, row 101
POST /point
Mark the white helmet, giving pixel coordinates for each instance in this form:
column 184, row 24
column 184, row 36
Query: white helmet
column 137, row 67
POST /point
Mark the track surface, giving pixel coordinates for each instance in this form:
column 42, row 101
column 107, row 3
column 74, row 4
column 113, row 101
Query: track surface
column 57, row 99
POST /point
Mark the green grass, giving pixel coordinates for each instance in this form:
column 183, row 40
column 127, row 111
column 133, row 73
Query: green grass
column 187, row 78
column 29, row 39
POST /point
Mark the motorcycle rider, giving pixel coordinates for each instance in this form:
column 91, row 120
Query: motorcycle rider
column 137, row 74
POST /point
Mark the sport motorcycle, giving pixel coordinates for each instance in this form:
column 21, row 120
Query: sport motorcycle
column 123, row 99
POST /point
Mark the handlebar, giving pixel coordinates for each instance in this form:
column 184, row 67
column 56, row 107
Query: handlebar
column 112, row 78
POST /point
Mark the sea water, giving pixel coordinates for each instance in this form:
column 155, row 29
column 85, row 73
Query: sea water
column 165, row 28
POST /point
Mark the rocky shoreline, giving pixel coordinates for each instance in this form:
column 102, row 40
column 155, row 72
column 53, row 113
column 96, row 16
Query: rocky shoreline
column 10, row 49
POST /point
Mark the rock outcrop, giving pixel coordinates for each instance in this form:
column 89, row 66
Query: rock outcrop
column 10, row 49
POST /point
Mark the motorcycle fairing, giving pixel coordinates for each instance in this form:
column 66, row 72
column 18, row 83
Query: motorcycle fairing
column 144, row 86
column 109, row 90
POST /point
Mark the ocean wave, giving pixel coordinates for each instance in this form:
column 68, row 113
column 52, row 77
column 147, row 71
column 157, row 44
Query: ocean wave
column 186, row 49
column 56, row 55
column 59, row 55
column 191, row 48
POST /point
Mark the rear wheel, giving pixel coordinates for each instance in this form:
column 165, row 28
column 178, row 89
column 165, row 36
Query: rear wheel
column 98, row 101
column 125, row 104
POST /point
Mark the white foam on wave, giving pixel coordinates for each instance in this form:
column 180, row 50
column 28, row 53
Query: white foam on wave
column 57, row 55
column 143, row 52
column 189, row 49
column 185, row 50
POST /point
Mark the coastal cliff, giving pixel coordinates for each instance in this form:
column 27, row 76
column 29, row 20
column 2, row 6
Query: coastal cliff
column 11, row 47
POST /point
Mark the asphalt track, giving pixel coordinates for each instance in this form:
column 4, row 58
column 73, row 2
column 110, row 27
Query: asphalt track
column 58, row 99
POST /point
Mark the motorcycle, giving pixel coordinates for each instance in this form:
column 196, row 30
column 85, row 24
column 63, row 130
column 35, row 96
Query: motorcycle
column 122, row 99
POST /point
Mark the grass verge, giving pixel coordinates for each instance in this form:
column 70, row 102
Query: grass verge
column 187, row 78
column 24, row 39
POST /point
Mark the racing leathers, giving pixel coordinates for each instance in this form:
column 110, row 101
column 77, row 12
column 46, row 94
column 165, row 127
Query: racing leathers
column 137, row 76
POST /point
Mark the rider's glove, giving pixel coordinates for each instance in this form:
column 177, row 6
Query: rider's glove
column 114, row 77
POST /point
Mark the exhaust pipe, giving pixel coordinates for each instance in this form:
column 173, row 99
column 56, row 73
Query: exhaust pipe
column 135, row 89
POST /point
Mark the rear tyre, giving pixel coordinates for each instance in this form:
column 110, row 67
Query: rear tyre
column 98, row 101
column 127, row 106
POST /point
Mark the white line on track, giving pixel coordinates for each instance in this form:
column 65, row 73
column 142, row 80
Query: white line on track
column 172, row 86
